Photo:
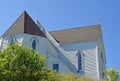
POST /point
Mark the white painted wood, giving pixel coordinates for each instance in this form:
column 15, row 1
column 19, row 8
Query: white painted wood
column 0, row 41
column 89, row 56
column 68, row 62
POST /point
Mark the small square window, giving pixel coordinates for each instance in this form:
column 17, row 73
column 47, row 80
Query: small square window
column 56, row 67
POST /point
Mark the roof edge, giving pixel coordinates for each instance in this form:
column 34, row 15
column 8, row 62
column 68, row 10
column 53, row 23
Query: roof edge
column 13, row 24
column 97, row 25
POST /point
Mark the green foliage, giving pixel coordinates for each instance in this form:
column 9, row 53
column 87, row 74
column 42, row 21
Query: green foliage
column 112, row 74
column 19, row 63
column 73, row 77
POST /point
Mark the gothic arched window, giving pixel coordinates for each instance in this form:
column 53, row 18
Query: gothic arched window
column 12, row 40
column 79, row 62
column 34, row 44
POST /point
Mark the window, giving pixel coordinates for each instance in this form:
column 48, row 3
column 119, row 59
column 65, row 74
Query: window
column 34, row 44
column 12, row 39
column 34, row 41
column 102, row 57
column 56, row 67
column 102, row 73
column 79, row 62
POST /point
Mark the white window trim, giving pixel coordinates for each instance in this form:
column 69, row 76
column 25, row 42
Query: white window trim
column 56, row 62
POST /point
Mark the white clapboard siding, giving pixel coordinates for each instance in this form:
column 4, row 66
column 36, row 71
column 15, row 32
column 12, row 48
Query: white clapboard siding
column 90, row 63
column 0, row 41
column 88, row 49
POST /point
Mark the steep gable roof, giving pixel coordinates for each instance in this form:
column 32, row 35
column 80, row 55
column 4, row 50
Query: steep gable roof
column 80, row 34
column 24, row 24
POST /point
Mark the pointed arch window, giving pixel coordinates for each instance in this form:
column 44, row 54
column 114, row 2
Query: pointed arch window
column 34, row 44
column 12, row 39
column 102, row 57
column 79, row 62
column 34, row 41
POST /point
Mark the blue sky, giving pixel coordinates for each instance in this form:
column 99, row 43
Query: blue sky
column 63, row 14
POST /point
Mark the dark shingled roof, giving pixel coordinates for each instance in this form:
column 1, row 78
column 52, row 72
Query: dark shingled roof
column 24, row 24
column 80, row 34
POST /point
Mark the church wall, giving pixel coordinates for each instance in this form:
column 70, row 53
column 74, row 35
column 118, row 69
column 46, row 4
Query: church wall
column 5, row 40
column 43, row 46
column 89, row 50
column 102, row 58
column 0, row 41
column 51, row 59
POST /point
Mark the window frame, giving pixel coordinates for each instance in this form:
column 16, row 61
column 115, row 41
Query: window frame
column 58, row 66
column 79, row 62
column 32, row 40
column 82, row 60
column 34, row 43
column 12, row 39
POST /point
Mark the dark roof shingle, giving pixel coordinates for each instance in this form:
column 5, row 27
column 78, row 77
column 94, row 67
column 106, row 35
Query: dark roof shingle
column 79, row 34
column 24, row 24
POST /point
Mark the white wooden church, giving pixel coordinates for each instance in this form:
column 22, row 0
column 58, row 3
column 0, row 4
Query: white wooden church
column 79, row 50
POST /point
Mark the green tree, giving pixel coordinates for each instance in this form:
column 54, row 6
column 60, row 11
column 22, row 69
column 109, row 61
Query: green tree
column 112, row 74
column 19, row 63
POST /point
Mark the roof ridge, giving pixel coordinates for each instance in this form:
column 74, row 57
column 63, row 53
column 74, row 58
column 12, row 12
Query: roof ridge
column 12, row 25
column 24, row 12
column 88, row 26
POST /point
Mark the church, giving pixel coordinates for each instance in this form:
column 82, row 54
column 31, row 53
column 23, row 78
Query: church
column 78, row 50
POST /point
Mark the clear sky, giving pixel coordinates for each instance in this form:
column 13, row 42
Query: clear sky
column 63, row 14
